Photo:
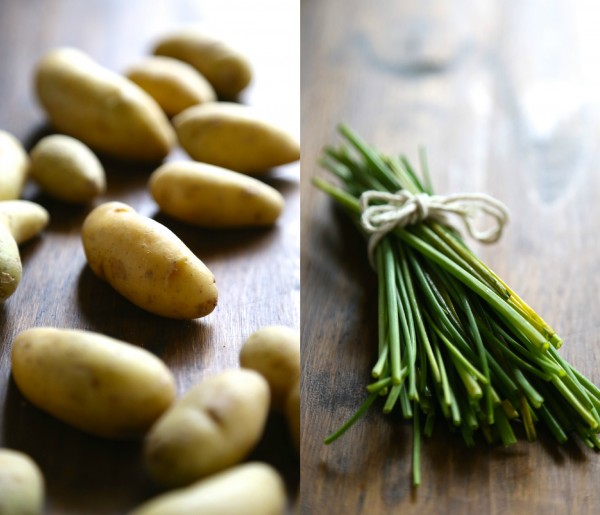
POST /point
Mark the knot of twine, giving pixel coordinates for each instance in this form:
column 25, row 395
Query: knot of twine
column 383, row 212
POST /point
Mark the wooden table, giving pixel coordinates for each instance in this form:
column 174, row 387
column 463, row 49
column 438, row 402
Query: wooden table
column 504, row 97
column 257, row 271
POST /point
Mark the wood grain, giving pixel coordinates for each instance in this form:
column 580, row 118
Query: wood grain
column 503, row 97
column 257, row 271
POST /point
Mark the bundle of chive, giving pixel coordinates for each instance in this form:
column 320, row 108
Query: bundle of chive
column 454, row 340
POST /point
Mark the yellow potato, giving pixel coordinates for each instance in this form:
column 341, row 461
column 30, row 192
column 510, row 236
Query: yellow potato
column 292, row 412
column 253, row 488
column 174, row 85
column 274, row 352
column 21, row 484
column 13, row 166
column 146, row 263
column 97, row 384
column 213, row 426
column 235, row 137
column 67, row 169
column 11, row 269
column 225, row 68
column 23, row 218
column 209, row 196
column 101, row 108
column 20, row 220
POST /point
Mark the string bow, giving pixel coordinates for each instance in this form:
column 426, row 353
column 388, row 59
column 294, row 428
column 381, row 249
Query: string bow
column 383, row 212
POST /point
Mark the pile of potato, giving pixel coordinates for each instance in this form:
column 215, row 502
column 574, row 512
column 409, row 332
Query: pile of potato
column 194, row 445
column 112, row 389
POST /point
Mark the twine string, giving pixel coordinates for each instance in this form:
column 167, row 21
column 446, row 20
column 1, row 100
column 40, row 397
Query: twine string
column 383, row 212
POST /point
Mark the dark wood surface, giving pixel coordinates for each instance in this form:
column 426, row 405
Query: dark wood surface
column 504, row 97
column 257, row 271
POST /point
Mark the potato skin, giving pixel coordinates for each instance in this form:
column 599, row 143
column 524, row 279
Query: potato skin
column 213, row 426
column 66, row 169
column 21, row 484
column 11, row 269
column 103, row 109
column 95, row 383
column 225, row 68
column 210, row 196
column 174, row 85
column 235, row 137
column 274, row 352
column 253, row 488
column 146, row 263
column 13, row 166
column 24, row 219
column 20, row 220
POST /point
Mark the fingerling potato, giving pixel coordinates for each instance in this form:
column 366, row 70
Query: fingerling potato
column 103, row 109
column 174, row 85
column 274, row 352
column 21, row 484
column 20, row 220
column 90, row 381
column 66, row 169
column 13, row 166
column 210, row 196
column 11, row 269
column 24, row 219
column 235, row 137
column 224, row 67
column 213, row 426
column 146, row 263
column 251, row 489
